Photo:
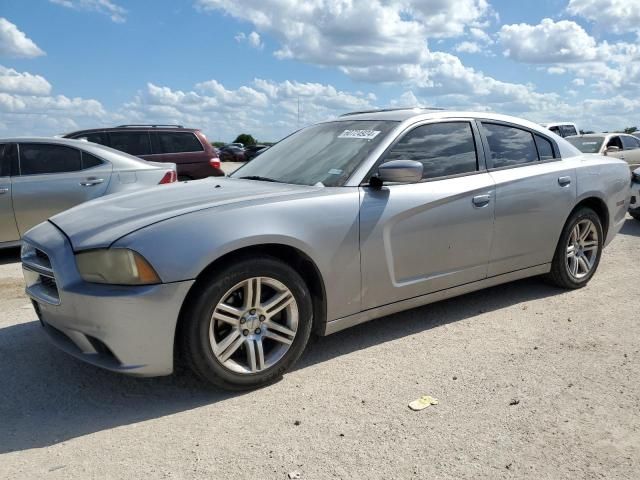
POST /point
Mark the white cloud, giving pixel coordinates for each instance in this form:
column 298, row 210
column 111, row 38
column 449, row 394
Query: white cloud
column 266, row 108
column 253, row 39
column 14, row 43
column 617, row 16
column 556, row 71
column 105, row 7
column 468, row 47
column 548, row 42
column 578, row 82
column 24, row 83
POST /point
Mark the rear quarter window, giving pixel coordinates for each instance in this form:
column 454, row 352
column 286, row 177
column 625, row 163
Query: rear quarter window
column 176, row 142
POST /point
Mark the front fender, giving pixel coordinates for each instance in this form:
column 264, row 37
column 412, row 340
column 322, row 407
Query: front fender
column 324, row 227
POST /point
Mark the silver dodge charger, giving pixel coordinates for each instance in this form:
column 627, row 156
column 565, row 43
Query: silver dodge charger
column 339, row 223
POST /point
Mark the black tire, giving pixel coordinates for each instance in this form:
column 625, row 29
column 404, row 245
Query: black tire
column 635, row 213
column 560, row 274
column 196, row 351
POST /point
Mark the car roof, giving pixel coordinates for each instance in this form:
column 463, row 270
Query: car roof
column 120, row 160
column 134, row 128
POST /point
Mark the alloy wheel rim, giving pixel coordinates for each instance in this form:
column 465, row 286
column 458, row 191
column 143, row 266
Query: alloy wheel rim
column 254, row 324
column 582, row 249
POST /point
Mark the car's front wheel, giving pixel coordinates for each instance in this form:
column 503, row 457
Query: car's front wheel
column 247, row 324
column 578, row 252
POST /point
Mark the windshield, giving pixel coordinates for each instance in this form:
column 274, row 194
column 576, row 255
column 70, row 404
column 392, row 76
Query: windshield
column 327, row 153
column 586, row 144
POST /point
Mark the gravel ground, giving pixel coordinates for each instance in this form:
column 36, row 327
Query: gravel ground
column 533, row 382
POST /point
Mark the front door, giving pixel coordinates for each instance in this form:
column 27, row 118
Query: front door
column 8, row 228
column 432, row 235
column 52, row 179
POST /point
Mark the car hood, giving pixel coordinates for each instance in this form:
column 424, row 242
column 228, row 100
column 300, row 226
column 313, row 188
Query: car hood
column 99, row 223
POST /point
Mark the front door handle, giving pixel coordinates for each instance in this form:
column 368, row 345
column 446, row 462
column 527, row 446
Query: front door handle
column 92, row 181
column 481, row 200
column 3, row 191
column 564, row 181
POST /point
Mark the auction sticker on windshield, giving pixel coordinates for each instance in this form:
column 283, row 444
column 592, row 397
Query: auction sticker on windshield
column 362, row 134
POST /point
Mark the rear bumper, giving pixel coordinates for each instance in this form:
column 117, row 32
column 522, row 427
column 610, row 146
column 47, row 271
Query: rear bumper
column 124, row 329
column 634, row 203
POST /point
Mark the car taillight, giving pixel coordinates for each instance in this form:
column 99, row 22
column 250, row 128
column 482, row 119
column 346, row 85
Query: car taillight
column 169, row 177
column 215, row 162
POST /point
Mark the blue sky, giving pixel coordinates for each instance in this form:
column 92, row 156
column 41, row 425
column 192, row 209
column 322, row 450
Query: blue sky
column 231, row 66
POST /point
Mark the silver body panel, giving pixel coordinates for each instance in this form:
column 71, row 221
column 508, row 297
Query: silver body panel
column 377, row 251
column 27, row 200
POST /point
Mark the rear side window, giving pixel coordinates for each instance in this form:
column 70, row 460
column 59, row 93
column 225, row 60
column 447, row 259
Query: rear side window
column 176, row 142
column 133, row 143
column 630, row 143
column 545, row 148
column 90, row 161
column 568, row 130
column 443, row 149
column 510, row 146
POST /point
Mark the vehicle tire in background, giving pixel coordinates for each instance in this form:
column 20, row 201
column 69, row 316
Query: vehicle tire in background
column 635, row 213
column 246, row 324
column 579, row 249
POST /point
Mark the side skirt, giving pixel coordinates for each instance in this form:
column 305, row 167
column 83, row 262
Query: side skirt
column 384, row 310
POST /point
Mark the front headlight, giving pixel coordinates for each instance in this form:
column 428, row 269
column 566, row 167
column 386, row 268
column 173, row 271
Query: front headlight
column 116, row 266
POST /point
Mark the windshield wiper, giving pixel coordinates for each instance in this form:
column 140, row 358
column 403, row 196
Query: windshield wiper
column 258, row 177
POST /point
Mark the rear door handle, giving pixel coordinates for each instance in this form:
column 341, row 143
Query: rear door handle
column 564, row 181
column 90, row 182
column 3, row 191
column 481, row 200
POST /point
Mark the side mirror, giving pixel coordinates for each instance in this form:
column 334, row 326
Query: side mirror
column 611, row 149
column 398, row 171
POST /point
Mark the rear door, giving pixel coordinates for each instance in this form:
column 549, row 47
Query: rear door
column 53, row 178
column 8, row 161
column 535, row 191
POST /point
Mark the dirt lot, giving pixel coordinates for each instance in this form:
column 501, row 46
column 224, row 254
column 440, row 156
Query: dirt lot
column 533, row 382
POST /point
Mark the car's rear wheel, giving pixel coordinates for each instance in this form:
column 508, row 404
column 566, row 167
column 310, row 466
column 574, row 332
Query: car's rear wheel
column 578, row 252
column 248, row 324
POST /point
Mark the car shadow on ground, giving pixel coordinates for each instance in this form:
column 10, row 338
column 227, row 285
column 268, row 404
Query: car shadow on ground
column 9, row 255
column 47, row 397
column 631, row 227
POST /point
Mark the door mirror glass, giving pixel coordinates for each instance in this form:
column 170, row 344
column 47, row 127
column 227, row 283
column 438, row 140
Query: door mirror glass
column 611, row 149
column 400, row 171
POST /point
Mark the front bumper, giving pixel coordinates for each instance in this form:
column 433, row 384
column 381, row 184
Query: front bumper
column 123, row 329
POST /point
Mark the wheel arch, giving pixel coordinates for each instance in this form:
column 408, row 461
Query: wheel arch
column 597, row 205
column 289, row 255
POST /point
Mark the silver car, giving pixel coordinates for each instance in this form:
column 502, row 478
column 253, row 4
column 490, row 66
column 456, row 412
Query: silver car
column 40, row 177
column 340, row 223
column 616, row 145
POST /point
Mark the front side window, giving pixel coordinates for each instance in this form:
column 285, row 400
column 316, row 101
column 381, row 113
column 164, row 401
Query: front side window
column 443, row 149
column 176, row 142
column 510, row 146
column 545, row 148
column 40, row 158
column 323, row 154
column 615, row 142
column 133, row 143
